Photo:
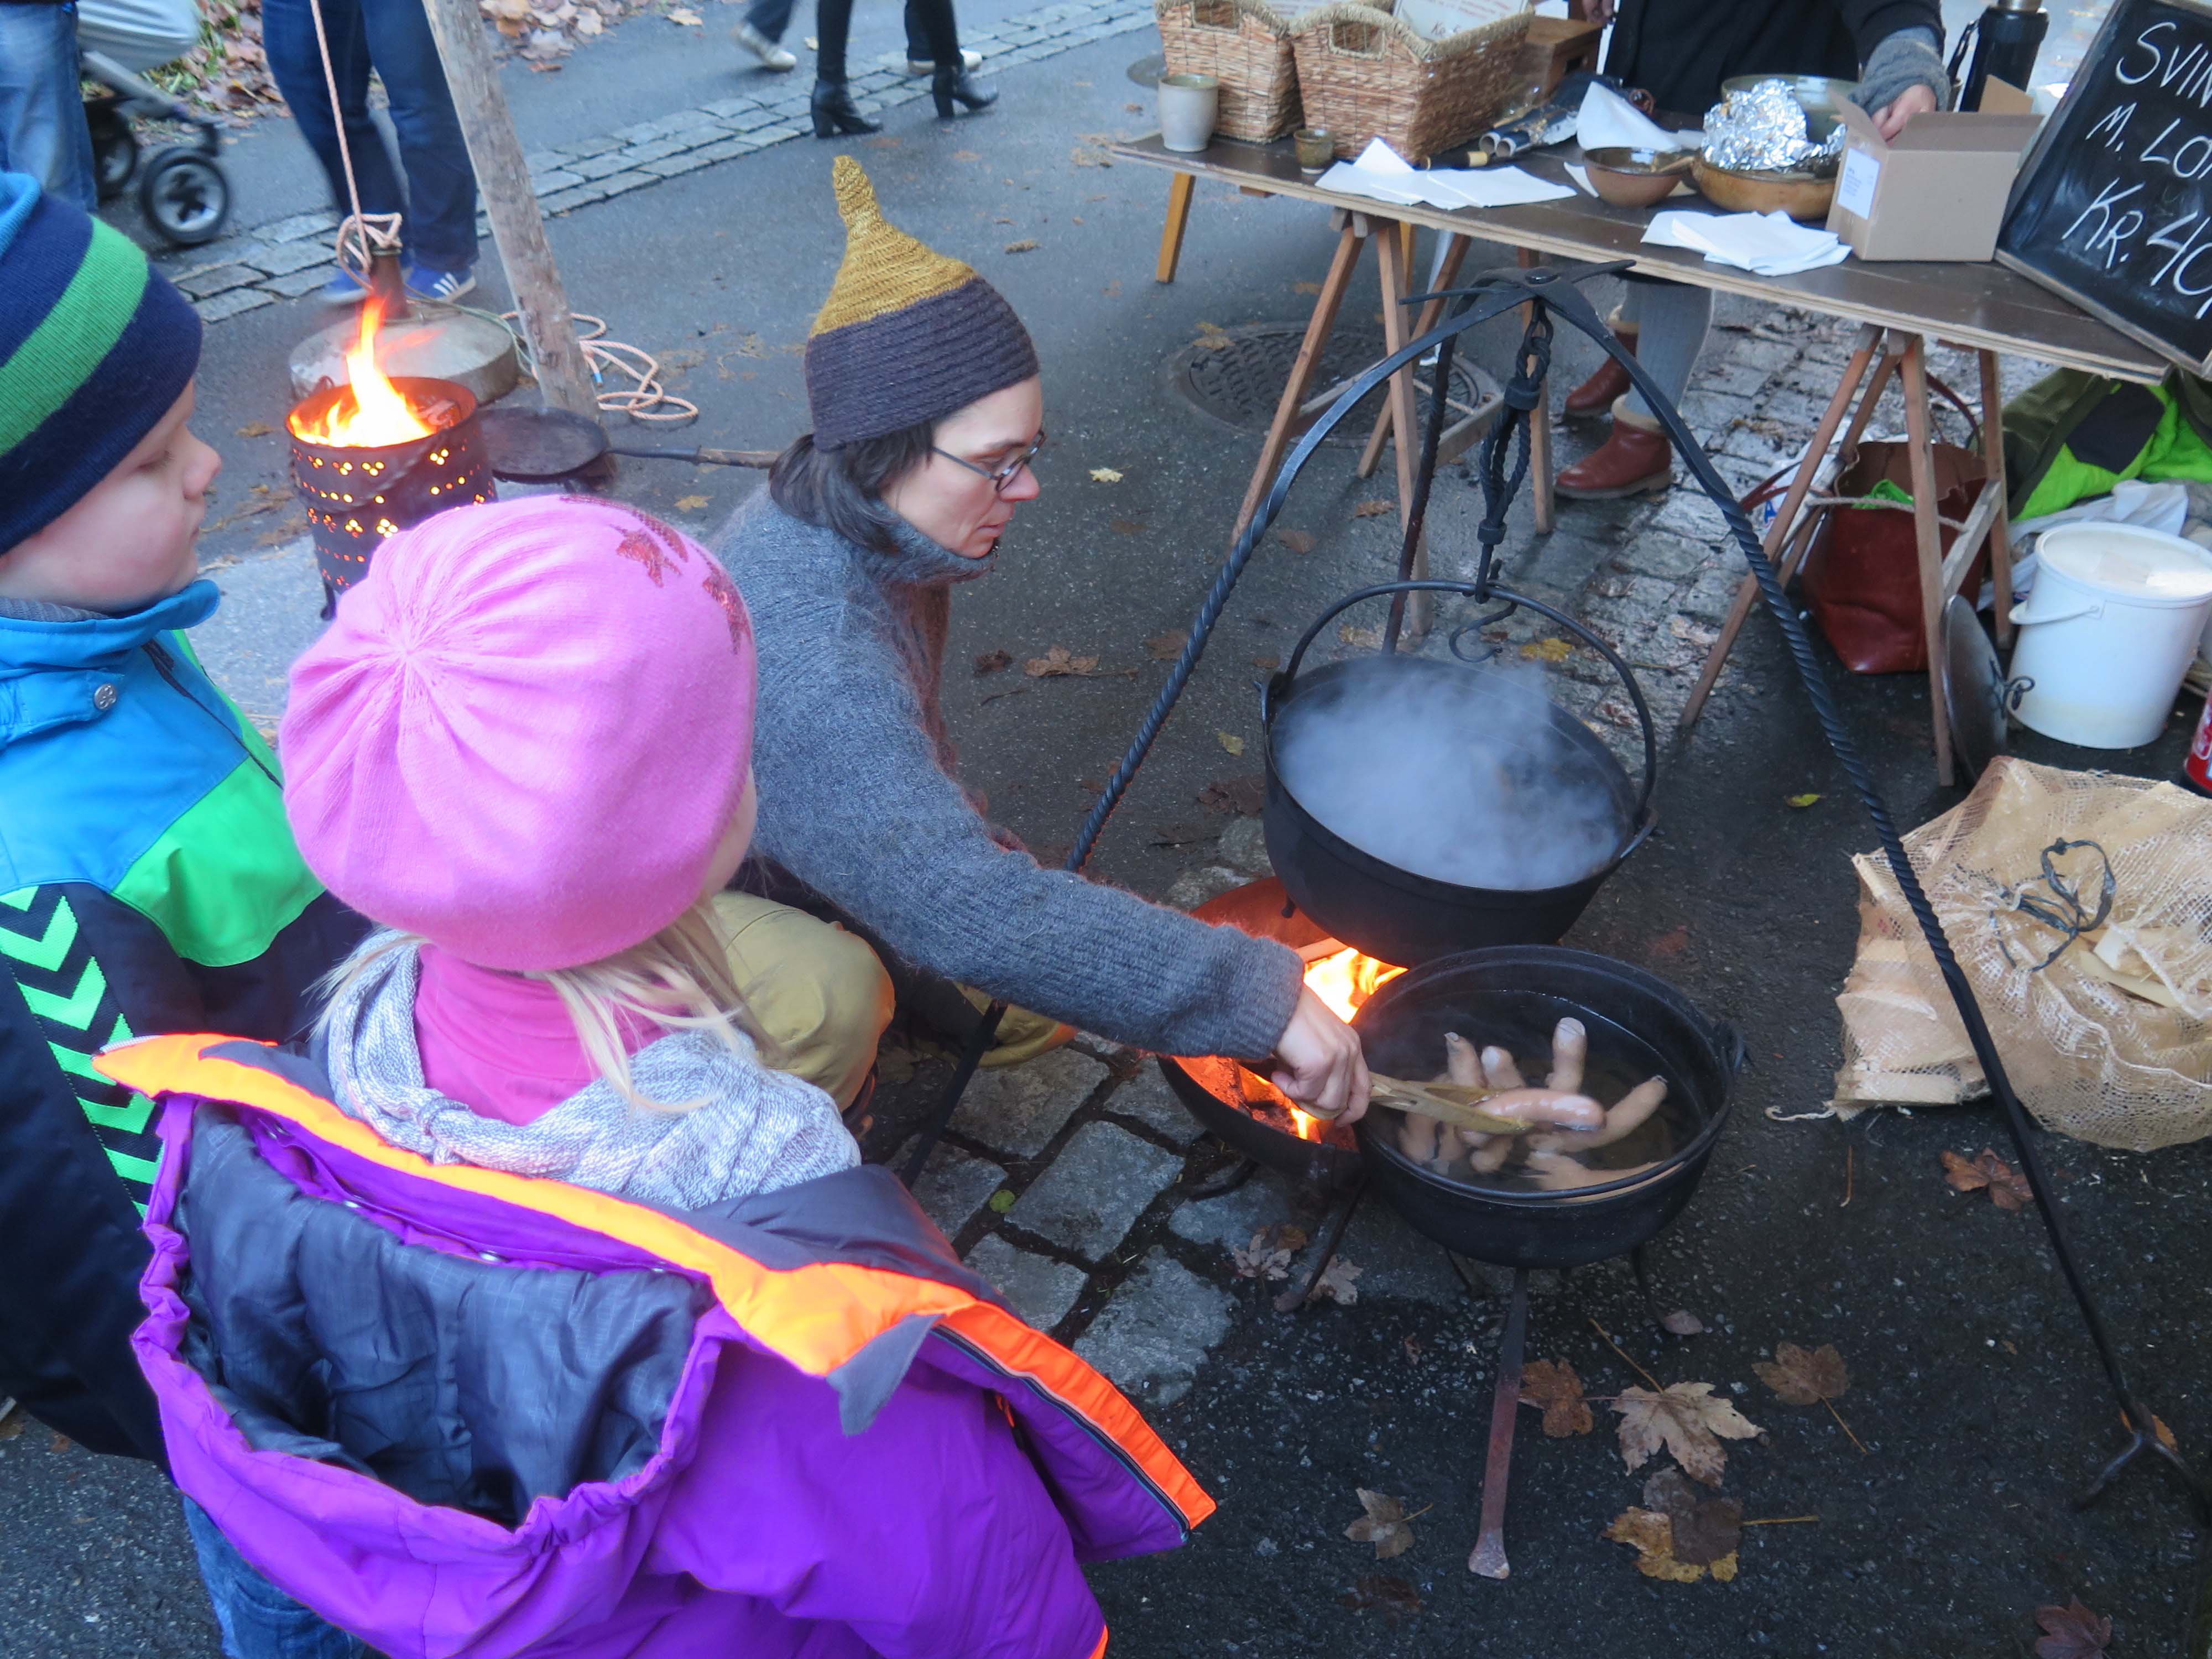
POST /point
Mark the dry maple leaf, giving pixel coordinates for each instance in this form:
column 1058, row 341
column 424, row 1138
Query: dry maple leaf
column 1231, row 741
column 1652, row 1534
column 1298, row 541
column 1335, row 1282
column 1706, row 1530
column 1365, row 639
column 992, row 662
column 1166, row 647
column 690, row 503
column 1394, row 1598
column 1681, row 1323
column 1554, row 1385
column 1687, row 1421
column 1104, row 474
column 1373, row 508
column 1056, row 663
column 2007, row 1190
column 684, row 15
column 1027, row 244
column 256, row 429
column 2071, row 1632
column 1262, row 1258
column 1383, row 1525
column 1547, row 651
column 966, row 156
column 1805, row 1377
column 1244, row 798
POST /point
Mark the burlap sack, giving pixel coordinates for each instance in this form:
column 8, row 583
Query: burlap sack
column 2097, row 986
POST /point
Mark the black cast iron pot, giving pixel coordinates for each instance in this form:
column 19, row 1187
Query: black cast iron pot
column 1514, row 995
column 1402, row 915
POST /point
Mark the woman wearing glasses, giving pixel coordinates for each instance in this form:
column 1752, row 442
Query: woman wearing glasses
column 927, row 409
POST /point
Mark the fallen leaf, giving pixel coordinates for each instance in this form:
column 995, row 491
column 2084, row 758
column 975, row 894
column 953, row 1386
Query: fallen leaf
column 1394, row 1598
column 1671, row 944
column 992, row 662
column 1298, row 541
column 60, row 1443
column 1212, row 342
column 1269, row 664
column 1682, row 1323
column 686, row 16
column 1104, row 474
column 256, row 429
column 1687, row 1421
column 1706, row 1530
column 1804, row 1376
column 1002, row 1200
column 1547, row 650
column 1800, row 802
column 1383, row 1525
column 1242, row 797
column 1166, row 647
column 1027, row 244
column 1125, row 526
column 1554, row 1385
column 1264, row 1258
column 2071, row 1632
column 966, row 156
column 1336, row 1282
column 1182, row 834
column 1133, row 109
column 1412, row 1344
column 1653, row 1535
column 1231, row 742
column 2008, row 1190
column 1373, row 509
column 690, row 503
column 1365, row 639
column 1305, row 287
column 1056, row 662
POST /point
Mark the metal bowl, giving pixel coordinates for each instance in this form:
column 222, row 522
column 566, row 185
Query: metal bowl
column 1800, row 195
column 1635, row 178
column 1817, row 94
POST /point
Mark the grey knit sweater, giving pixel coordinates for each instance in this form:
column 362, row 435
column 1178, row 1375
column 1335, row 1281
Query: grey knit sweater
column 858, row 800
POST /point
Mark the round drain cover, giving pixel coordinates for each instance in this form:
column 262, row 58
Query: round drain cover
column 1237, row 376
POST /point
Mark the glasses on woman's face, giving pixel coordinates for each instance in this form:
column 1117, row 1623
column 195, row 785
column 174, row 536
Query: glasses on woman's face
column 1002, row 477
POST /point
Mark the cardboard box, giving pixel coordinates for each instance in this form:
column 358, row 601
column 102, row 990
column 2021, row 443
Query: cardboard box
column 1938, row 190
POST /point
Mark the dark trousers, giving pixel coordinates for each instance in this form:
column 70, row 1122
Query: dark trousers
column 392, row 37
column 931, row 36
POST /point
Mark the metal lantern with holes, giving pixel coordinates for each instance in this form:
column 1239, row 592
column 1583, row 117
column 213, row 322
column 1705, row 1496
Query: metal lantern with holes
column 356, row 497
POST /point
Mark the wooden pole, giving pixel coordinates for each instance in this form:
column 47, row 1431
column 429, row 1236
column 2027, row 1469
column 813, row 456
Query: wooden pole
column 516, row 225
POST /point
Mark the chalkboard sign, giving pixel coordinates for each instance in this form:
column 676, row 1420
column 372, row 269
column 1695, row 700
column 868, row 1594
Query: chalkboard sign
column 2113, row 209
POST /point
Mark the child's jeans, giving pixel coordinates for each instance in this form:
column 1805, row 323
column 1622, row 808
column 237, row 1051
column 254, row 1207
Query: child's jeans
column 259, row 1620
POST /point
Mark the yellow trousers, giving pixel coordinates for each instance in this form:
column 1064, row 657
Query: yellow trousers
column 815, row 991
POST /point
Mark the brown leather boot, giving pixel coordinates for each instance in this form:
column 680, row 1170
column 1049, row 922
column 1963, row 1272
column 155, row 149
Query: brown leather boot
column 1596, row 394
column 1635, row 459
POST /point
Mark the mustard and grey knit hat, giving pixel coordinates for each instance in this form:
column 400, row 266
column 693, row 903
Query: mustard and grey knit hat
column 907, row 335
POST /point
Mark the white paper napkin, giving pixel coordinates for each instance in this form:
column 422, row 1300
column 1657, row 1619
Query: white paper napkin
column 1608, row 121
column 1767, row 244
column 1380, row 174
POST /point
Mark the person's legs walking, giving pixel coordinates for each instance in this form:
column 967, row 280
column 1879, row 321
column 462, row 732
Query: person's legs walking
column 42, row 130
column 952, row 84
column 763, row 25
column 833, row 111
column 441, row 187
column 259, row 1620
column 296, row 63
column 1636, row 458
column 926, row 50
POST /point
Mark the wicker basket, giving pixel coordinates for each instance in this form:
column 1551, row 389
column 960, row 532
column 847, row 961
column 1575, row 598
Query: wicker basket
column 1246, row 46
column 1364, row 74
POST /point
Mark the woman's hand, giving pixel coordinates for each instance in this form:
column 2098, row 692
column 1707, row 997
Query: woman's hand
column 1890, row 120
column 1322, row 1070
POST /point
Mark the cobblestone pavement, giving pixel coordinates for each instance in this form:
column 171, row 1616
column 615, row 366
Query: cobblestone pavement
column 290, row 257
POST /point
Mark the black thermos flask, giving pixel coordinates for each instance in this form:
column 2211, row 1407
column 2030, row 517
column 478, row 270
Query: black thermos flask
column 2007, row 37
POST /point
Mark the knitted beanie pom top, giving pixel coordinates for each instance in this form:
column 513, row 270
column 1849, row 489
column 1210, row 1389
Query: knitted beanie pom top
column 907, row 335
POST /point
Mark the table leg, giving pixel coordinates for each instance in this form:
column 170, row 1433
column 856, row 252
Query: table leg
column 1747, row 594
column 1993, row 459
column 1351, row 233
column 1180, row 186
column 1540, row 429
column 1390, row 255
column 1455, row 247
column 1927, row 534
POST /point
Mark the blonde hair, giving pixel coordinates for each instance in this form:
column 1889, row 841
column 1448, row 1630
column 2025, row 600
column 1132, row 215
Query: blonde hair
column 679, row 979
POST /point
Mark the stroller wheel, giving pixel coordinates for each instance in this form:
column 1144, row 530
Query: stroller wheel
column 114, row 151
column 185, row 196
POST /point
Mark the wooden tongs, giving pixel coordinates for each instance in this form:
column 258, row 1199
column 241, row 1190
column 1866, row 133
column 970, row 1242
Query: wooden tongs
column 1448, row 1103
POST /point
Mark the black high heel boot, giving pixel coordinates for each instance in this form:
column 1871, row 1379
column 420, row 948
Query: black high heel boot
column 953, row 84
column 835, row 113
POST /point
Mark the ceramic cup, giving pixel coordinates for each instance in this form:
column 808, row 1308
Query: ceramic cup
column 1188, row 106
column 1316, row 149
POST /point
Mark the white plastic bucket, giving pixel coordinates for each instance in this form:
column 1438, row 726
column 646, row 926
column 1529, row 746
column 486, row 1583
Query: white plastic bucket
column 2108, row 631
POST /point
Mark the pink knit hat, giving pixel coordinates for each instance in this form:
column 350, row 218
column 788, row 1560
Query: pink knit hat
column 526, row 732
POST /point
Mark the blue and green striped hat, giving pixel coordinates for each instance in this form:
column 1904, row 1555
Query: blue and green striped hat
column 95, row 346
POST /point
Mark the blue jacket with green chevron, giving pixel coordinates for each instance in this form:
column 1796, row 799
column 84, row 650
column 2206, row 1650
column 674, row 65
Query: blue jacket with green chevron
column 147, row 884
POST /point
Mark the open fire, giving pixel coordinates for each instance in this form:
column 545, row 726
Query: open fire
column 371, row 412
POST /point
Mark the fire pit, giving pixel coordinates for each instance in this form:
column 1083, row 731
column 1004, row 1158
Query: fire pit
column 375, row 455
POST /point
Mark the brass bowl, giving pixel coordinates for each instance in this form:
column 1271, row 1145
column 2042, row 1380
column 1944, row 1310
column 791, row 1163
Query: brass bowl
column 1817, row 94
column 1800, row 195
column 1635, row 178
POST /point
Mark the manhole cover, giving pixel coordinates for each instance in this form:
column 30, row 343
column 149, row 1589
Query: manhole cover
column 1239, row 381
column 1147, row 71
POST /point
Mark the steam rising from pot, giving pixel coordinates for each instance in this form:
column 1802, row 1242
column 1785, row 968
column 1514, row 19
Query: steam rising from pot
column 1462, row 778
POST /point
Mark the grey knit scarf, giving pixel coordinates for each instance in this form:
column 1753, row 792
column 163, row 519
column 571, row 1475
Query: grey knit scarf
column 758, row 1130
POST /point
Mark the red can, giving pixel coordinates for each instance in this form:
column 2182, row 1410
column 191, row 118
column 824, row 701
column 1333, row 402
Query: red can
column 2196, row 770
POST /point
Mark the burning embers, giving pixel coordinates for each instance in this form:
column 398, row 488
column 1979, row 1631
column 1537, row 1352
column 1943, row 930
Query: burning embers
column 376, row 455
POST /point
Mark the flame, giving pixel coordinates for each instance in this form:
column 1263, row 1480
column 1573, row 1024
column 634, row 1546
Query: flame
column 376, row 415
column 1344, row 979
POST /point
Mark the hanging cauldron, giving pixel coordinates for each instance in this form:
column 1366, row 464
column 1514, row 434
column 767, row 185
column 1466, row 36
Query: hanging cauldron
column 1401, row 914
column 1513, row 995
